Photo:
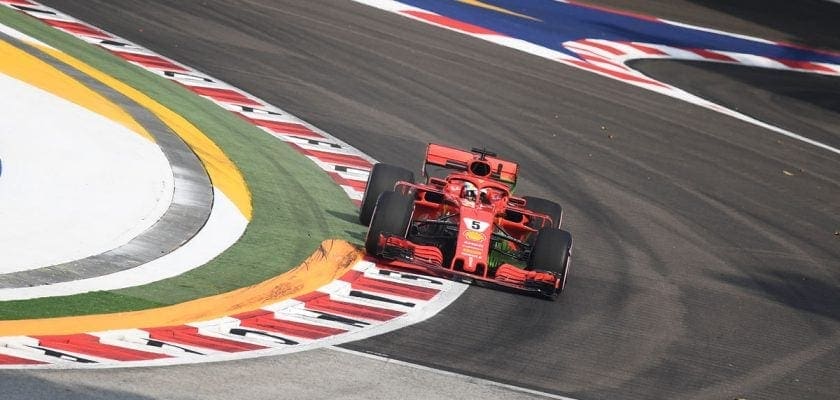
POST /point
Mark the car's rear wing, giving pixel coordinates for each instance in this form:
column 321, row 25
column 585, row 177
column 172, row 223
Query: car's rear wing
column 456, row 159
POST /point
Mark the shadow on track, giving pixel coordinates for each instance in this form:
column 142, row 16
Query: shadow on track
column 810, row 23
column 792, row 289
column 796, row 19
column 20, row 385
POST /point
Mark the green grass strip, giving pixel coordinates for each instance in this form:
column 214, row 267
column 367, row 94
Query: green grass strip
column 296, row 205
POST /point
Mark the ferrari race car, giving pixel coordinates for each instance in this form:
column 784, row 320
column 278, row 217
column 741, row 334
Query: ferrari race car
column 464, row 224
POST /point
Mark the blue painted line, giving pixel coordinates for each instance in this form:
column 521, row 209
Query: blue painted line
column 561, row 22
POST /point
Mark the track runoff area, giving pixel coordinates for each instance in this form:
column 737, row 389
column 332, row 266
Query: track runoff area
column 109, row 162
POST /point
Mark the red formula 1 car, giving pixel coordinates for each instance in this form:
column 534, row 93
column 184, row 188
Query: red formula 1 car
column 464, row 224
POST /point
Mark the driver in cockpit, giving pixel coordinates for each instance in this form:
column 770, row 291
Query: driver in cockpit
column 469, row 192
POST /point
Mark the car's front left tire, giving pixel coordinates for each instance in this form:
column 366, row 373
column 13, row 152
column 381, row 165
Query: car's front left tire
column 382, row 178
column 391, row 215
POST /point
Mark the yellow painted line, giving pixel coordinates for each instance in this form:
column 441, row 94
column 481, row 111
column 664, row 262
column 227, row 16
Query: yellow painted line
column 24, row 67
column 481, row 4
column 332, row 260
column 224, row 174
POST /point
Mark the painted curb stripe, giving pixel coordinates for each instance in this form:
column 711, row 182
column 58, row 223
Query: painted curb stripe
column 76, row 28
column 339, row 311
column 190, row 336
column 12, row 360
column 350, row 183
column 332, row 260
column 283, row 128
column 263, row 319
column 806, row 65
column 644, row 49
column 361, row 282
column 90, row 345
column 223, row 95
column 441, row 20
column 347, row 160
column 364, row 299
column 319, row 301
column 147, row 60
column 709, row 55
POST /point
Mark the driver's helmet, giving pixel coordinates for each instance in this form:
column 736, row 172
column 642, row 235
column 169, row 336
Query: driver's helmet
column 488, row 195
column 470, row 191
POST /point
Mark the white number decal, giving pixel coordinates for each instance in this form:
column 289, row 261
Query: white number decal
column 476, row 225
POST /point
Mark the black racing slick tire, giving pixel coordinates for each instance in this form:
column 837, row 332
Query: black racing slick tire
column 546, row 207
column 552, row 251
column 382, row 178
column 392, row 214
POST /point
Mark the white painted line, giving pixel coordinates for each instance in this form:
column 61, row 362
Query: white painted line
column 604, row 48
column 346, row 298
column 135, row 339
column 753, row 60
column 353, row 194
column 633, row 52
column 717, row 32
column 54, row 16
column 22, row 351
column 682, row 54
column 184, row 77
column 22, row 36
column 351, row 173
column 300, row 314
column 613, row 66
column 528, row 47
column 588, row 49
column 467, row 378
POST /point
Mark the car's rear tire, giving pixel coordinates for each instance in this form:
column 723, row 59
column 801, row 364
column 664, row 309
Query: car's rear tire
column 552, row 251
column 382, row 178
column 543, row 206
column 392, row 214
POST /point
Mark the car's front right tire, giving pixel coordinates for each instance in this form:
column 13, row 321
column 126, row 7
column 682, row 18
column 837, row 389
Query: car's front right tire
column 552, row 251
column 547, row 207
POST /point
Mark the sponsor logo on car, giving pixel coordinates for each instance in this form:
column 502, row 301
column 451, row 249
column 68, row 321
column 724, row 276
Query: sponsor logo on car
column 471, row 252
column 474, row 236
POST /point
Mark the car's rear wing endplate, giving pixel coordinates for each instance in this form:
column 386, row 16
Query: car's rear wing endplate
column 456, row 159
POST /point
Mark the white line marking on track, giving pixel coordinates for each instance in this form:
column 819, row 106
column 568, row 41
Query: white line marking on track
column 467, row 378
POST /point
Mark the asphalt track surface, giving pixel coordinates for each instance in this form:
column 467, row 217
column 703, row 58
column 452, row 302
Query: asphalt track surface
column 706, row 261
